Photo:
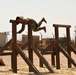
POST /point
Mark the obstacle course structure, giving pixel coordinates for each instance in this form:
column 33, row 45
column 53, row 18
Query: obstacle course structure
column 31, row 47
column 59, row 48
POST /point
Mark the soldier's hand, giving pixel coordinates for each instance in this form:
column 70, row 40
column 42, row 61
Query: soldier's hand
column 17, row 33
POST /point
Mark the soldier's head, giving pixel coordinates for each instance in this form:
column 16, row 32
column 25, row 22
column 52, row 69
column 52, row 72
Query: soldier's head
column 19, row 19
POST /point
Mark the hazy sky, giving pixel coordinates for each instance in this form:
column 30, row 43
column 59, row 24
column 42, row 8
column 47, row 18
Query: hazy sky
column 54, row 11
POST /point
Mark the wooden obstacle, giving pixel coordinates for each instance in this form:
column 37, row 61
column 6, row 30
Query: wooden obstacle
column 31, row 47
column 60, row 48
column 16, row 49
column 49, row 50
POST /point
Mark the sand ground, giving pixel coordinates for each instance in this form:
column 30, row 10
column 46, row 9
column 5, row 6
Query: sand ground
column 23, row 68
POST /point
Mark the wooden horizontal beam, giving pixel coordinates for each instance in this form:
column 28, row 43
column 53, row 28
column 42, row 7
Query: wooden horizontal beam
column 48, row 52
column 11, row 21
column 6, row 53
column 61, row 25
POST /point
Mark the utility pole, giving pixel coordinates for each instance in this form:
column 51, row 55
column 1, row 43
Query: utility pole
column 53, row 36
column 41, row 39
column 75, row 36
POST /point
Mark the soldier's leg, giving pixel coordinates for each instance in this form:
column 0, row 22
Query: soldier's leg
column 37, row 27
column 40, row 28
column 40, row 22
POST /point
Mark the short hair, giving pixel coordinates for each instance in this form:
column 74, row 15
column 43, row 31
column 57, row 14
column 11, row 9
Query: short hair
column 19, row 17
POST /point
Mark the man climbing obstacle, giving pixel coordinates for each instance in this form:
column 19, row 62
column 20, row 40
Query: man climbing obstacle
column 35, row 26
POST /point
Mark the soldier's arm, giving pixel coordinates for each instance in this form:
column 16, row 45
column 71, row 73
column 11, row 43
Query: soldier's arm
column 22, row 29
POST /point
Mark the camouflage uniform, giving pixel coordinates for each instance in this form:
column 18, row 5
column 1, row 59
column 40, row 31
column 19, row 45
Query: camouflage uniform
column 29, row 21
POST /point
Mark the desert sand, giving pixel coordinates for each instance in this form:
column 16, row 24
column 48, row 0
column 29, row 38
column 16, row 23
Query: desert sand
column 23, row 69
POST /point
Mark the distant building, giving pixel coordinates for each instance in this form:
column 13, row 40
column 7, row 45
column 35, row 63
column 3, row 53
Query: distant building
column 3, row 38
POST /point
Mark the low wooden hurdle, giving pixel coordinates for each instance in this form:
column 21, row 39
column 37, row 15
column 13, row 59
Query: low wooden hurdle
column 31, row 47
column 59, row 48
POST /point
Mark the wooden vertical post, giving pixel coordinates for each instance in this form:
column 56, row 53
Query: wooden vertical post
column 57, row 48
column 30, row 42
column 14, row 53
column 68, row 45
column 41, row 63
column 53, row 59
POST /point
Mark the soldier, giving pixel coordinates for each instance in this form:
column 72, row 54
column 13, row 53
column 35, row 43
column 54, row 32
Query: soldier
column 28, row 21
